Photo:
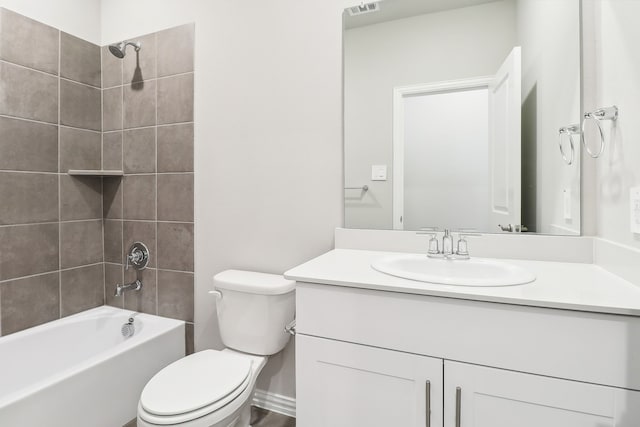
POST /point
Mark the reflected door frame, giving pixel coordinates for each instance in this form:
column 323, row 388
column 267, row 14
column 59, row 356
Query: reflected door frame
column 399, row 93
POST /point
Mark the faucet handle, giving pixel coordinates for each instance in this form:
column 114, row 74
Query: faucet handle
column 433, row 241
column 462, row 249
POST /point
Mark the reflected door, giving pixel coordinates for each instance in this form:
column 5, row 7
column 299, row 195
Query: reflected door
column 504, row 144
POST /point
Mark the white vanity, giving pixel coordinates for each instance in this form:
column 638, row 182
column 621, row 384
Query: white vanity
column 378, row 350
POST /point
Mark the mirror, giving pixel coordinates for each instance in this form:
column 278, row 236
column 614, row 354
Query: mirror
column 462, row 114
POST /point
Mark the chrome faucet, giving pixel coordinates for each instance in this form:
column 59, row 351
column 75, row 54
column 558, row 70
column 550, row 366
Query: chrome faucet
column 447, row 252
column 133, row 286
column 447, row 243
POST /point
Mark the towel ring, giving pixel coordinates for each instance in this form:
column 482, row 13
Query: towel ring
column 607, row 113
column 570, row 131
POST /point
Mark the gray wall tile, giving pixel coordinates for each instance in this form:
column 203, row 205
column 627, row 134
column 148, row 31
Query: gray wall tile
column 28, row 94
column 141, row 65
column 175, row 99
column 179, row 42
column 139, row 197
column 112, row 198
column 140, row 104
column 79, row 149
column 80, row 60
column 175, row 295
column 111, row 69
column 139, row 154
column 141, row 231
column 28, row 249
column 175, row 246
column 80, row 198
column 81, row 289
column 144, row 300
column 112, row 109
column 29, row 302
column 80, row 243
column 113, row 251
column 28, row 146
column 80, row 106
column 175, row 197
column 113, row 275
column 28, row 197
column 189, row 344
column 112, row 150
column 17, row 36
column 175, row 148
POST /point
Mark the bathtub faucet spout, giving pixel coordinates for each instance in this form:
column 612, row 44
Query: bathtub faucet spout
column 133, row 286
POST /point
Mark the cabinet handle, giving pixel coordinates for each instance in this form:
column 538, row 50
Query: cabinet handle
column 428, row 410
column 458, row 405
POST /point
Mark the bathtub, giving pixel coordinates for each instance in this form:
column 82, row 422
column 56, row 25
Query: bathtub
column 81, row 371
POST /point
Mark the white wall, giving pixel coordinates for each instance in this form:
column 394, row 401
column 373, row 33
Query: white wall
column 618, row 82
column 446, row 160
column 78, row 17
column 456, row 44
column 268, row 137
column 549, row 33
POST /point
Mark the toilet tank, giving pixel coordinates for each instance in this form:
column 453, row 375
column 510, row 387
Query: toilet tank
column 253, row 310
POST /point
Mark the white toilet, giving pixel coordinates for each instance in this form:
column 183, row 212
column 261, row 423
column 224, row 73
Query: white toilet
column 215, row 388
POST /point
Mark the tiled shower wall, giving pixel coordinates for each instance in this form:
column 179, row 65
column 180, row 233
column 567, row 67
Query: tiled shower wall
column 51, row 252
column 148, row 133
column 63, row 238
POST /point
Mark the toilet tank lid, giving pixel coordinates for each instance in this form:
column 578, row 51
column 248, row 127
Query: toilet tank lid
column 253, row 282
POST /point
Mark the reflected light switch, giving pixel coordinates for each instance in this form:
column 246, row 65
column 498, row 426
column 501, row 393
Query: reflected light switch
column 634, row 203
column 378, row 172
column 567, row 203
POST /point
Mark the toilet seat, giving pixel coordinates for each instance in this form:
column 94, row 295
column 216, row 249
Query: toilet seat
column 194, row 387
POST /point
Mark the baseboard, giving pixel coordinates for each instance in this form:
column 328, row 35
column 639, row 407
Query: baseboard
column 275, row 402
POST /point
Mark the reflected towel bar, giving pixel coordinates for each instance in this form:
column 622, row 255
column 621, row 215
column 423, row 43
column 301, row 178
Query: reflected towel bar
column 363, row 188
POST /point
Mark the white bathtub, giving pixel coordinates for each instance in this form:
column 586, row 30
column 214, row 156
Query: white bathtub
column 81, row 371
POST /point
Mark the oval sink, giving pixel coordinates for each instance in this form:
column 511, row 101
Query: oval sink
column 469, row 272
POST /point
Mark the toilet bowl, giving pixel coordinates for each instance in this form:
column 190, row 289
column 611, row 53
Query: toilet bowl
column 214, row 388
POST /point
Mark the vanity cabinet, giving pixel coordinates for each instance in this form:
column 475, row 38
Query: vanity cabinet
column 348, row 385
column 375, row 358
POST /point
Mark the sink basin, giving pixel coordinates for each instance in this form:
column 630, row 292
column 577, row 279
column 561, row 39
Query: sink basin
column 469, row 272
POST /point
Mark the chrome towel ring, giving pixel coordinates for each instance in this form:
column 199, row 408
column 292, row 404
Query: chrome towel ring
column 570, row 131
column 607, row 113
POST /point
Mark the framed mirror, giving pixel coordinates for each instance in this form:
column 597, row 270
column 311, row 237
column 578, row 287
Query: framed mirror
column 462, row 114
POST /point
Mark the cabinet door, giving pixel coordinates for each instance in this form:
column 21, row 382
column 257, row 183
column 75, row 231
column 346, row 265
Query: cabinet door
column 488, row 397
column 341, row 384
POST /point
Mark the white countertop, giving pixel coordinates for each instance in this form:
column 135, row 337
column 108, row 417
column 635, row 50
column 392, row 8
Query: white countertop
column 570, row 286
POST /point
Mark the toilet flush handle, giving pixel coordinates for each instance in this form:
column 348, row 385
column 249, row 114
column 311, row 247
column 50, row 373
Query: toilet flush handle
column 291, row 327
column 217, row 294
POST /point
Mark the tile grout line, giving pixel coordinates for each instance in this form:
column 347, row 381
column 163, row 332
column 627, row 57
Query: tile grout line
column 56, row 76
column 104, row 269
column 184, row 73
column 27, row 224
column 59, row 183
column 123, row 181
column 56, row 271
column 155, row 59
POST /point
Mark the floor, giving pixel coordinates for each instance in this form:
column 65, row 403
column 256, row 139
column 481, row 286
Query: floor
column 259, row 418
column 263, row 418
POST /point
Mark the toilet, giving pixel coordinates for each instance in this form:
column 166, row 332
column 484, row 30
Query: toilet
column 214, row 388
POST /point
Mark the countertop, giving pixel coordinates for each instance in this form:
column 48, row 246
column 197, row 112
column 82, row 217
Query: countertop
column 569, row 286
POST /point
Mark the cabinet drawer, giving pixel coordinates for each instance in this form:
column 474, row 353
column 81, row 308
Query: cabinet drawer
column 596, row 348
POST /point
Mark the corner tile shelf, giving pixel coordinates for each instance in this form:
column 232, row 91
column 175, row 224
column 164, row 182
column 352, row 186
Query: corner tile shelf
column 95, row 172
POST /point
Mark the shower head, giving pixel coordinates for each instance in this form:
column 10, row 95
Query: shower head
column 119, row 49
